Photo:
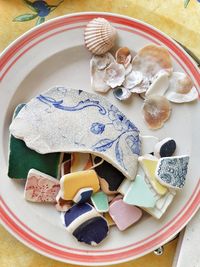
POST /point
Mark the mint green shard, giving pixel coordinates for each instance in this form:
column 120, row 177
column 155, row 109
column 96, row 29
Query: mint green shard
column 100, row 201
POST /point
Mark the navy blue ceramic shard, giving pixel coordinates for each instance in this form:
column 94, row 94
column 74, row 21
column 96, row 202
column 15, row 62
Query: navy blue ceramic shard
column 92, row 232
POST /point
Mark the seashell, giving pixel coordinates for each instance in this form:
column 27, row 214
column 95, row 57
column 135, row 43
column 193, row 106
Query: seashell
column 133, row 79
column 114, row 74
column 156, row 111
column 159, row 84
column 97, row 78
column 151, row 59
column 123, row 56
column 128, row 69
column 181, row 88
column 121, row 93
column 99, row 36
column 102, row 61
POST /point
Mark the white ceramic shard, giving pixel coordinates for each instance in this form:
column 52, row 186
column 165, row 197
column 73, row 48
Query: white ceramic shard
column 148, row 144
column 71, row 120
column 159, row 84
column 181, row 89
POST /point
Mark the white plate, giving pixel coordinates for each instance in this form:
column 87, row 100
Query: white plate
column 54, row 54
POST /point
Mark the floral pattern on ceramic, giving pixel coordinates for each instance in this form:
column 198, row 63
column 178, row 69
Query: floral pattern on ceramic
column 73, row 120
column 172, row 171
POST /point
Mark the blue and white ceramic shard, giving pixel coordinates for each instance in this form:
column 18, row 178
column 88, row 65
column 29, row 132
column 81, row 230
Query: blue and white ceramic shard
column 63, row 119
column 172, row 171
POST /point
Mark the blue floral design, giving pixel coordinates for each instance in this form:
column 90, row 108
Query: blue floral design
column 117, row 119
column 40, row 8
column 97, row 128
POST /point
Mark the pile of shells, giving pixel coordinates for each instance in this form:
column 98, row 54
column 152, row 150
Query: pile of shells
column 149, row 73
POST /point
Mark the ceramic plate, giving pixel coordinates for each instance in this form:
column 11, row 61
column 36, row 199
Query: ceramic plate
column 54, row 54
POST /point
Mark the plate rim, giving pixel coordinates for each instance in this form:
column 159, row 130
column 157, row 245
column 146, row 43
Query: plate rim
column 197, row 198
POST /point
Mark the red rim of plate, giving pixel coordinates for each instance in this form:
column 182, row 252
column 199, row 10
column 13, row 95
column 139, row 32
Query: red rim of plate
column 97, row 257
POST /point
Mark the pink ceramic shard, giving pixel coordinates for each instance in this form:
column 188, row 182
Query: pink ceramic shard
column 41, row 187
column 124, row 215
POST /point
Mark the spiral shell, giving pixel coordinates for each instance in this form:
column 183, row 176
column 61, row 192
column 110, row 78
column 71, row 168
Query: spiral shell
column 100, row 36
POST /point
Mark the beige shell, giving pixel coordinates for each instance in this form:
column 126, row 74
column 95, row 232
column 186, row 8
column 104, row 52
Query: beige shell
column 99, row 36
column 114, row 74
column 156, row 111
column 151, row 59
column 181, row 89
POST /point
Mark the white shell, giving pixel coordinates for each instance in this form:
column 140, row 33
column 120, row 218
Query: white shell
column 181, row 88
column 100, row 36
column 102, row 61
column 121, row 93
column 114, row 74
column 142, row 87
column 183, row 98
column 97, row 78
column 128, row 69
column 159, row 84
column 133, row 79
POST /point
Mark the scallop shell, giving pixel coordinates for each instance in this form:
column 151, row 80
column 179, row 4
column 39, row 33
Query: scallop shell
column 99, row 36
column 114, row 74
column 181, row 88
column 159, row 84
column 156, row 111
column 121, row 93
column 151, row 59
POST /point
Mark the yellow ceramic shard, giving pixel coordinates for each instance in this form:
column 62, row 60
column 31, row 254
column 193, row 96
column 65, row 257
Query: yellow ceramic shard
column 108, row 219
column 149, row 166
column 80, row 161
column 72, row 182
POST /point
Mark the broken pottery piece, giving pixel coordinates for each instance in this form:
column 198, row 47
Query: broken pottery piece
column 100, row 201
column 71, row 183
column 41, row 187
column 139, row 193
column 162, row 203
column 80, row 162
column 92, row 125
column 165, row 148
column 109, row 177
column 124, row 215
column 149, row 164
column 148, row 144
column 85, row 223
column 172, row 171
column 83, row 195
column 22, row 159
column 65, row 167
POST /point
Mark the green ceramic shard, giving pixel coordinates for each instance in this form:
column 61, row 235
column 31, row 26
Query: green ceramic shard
column 22, row 158
column 100, row 201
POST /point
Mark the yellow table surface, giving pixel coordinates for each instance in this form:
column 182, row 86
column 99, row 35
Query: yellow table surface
column 169, row 16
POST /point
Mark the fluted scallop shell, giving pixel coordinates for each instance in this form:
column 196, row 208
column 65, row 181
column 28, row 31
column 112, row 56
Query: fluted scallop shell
column 114, row 74
column 100, row 36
